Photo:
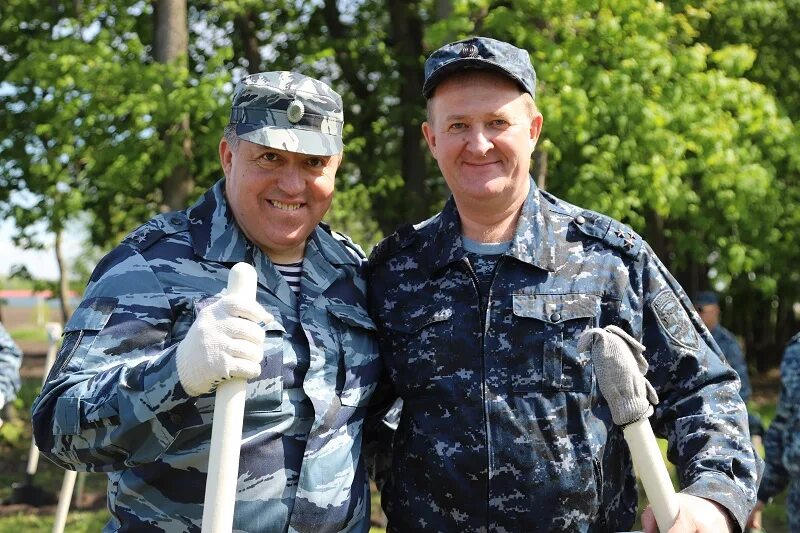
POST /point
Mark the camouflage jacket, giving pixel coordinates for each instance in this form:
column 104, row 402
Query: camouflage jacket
column 782, row 441
column 113, row 401
column 503, row 427
column 733, row 354
column 10, row 360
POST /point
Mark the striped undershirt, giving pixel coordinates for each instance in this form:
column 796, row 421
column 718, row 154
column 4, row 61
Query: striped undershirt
column 292, row 273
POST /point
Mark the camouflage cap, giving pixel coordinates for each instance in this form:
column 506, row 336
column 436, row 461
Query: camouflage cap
column 288, row 111
column 480, row 53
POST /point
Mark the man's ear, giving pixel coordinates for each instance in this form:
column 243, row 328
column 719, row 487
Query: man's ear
column 430, row 137
column 225, row 156
column 536, row 129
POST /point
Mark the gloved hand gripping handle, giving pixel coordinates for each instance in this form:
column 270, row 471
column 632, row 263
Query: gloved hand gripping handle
column 620, row 369
column 226, row 429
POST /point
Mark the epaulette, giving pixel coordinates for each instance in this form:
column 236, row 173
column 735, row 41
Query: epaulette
column 395, row 242
column 795, row 338
column 157, row 227
column 616, row 234
column 349, row 244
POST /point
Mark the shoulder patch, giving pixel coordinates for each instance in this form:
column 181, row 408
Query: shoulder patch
column 157, row 227
column 674, row 320
column 392, row 244
column 616, row 234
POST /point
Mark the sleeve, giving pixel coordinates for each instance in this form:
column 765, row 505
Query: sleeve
column 776, row 477
column 700, row 411
column 383, row 414
column 735, row 357
column 113, row 399
column 10, row 360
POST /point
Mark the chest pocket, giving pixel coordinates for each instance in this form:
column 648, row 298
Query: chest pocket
column 359, row 365
column 420, row 340
column 545, row 335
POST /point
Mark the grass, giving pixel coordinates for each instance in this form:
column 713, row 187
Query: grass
column 15, row 440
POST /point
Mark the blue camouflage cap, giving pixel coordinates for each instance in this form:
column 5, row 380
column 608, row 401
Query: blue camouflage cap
column 480, row 53
column 705, row 298
column 288, row 111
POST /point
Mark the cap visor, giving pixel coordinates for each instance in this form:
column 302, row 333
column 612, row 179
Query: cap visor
column 462, row 64
column 291, row 140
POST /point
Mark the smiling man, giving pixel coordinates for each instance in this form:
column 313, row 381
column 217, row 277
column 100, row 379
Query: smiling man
column 132, row 391
column 479, row 312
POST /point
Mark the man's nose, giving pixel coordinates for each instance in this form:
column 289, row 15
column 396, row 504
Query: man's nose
column 478, row 142
column 292, row 181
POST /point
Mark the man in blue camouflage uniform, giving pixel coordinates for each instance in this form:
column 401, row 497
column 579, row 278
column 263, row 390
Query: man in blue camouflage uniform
column 10, row 360
column 707, row 305
column 782, row 443
column 479, row 310
column 132, row 390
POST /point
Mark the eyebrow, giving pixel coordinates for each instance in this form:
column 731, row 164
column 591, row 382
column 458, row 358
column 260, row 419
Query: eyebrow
column 455, row 116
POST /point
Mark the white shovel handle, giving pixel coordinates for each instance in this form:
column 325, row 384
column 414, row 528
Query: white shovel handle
column 652, row 471
column 226, row 429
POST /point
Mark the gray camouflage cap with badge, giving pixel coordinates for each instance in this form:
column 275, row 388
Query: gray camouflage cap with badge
column 480, row 53
column 288, row 111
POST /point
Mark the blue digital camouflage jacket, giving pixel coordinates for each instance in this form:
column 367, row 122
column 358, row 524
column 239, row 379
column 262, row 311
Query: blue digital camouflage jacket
column 113, row 401
column 733, row 354
column 503, row 427
column 10, row 360
column 782, row 440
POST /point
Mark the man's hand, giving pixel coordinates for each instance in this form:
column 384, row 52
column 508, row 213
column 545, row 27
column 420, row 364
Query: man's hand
column 224, row 342
column 697, row 515
column 754, row 520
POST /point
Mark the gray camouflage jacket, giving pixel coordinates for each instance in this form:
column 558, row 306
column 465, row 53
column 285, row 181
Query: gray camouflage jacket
column 782, row 440
column 113, row 401
column 10, row 360
column 503, row 427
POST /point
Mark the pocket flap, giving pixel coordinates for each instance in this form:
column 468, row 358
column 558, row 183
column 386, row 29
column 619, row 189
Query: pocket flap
column 555, row 308
column 411, row 320
column 352, row 315
column 93, row 314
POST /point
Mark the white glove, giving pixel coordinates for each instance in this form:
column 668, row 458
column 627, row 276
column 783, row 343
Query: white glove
column 620, row 369
column 225, row 341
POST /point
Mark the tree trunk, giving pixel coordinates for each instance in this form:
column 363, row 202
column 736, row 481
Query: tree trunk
column 63, row 278
column 406, row 36
column 246, row 25
column 171, row 46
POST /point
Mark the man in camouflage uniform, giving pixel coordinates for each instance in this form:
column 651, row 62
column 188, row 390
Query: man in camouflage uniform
column 479, row 310
column 782, row 443
column 707, row 305
column 132, row 390
column 10, row 359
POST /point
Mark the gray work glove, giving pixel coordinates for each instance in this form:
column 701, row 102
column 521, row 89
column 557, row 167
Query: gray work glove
column 620, row 370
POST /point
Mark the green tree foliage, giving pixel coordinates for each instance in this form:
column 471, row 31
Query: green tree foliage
column 678, row 118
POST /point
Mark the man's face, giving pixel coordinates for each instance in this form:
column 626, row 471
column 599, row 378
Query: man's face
column 709, row 314
column 277, row 197
column 482, row 132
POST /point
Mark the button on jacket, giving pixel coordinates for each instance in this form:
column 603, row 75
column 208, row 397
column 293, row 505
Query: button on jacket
column 113, row 402
column 503, row 427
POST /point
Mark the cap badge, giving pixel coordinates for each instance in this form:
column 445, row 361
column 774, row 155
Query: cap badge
column 295, row 111
column 469, row 50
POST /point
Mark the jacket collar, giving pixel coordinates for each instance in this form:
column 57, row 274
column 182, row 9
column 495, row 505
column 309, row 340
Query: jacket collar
column 533, row 241
column 217, row 237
